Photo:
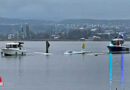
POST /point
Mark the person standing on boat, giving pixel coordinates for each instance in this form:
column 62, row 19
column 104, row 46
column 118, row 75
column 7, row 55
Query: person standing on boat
column 47, row 46
column 20, row 46
column 118, row 43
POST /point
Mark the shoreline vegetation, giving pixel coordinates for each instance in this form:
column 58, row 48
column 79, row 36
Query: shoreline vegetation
column 66, row 30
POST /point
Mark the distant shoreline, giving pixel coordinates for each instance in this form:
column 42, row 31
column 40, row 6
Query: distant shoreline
column 59, row 40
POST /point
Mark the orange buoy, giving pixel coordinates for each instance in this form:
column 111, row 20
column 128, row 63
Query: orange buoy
column 1, row 83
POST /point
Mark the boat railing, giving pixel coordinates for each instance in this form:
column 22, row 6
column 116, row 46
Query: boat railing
column 126, row 45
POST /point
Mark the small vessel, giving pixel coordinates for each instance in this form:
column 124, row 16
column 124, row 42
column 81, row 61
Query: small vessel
column 13, row 48
column 116, row 46
column 77, row 52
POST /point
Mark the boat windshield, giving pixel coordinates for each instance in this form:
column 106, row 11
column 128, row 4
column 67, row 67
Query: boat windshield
column 117, row 42
column 11, row 46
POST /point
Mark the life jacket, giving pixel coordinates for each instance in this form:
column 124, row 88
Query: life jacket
column 118, row 43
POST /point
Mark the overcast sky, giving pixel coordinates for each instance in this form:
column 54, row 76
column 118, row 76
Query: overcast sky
column 65, row 9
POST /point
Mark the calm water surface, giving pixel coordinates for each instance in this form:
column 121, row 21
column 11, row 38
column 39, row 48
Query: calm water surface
column 36, row 71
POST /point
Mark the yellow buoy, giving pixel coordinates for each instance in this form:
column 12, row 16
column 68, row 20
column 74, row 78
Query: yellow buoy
column 83, row 46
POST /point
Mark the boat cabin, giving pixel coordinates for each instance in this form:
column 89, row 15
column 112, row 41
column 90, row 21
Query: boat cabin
column 117, row 41
column 11, row 45
column 14, row 45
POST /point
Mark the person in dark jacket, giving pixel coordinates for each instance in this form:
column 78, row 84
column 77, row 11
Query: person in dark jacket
column 47, row 46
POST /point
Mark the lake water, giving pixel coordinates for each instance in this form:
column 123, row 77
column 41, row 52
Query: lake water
column 58, row 71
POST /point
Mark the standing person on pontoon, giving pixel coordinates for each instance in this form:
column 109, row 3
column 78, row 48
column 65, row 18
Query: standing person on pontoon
column 47, row 46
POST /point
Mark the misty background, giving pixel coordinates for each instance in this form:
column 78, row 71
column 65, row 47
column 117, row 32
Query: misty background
column 65, row 9
column 63, row 19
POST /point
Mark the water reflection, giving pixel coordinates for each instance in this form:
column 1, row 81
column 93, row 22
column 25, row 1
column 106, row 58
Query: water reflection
column 110, row 69
column 12, row 57
column 122, row 70
column 114, row 70
column 16, row 61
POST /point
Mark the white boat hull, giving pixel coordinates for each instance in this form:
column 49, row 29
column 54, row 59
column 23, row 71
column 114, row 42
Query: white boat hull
column 12, row 52
column 75, row 52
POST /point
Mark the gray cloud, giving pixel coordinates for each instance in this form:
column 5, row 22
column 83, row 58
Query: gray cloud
column 62, row 9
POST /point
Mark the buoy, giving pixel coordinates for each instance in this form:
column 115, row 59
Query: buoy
column 1, row 83
column 83, row 46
